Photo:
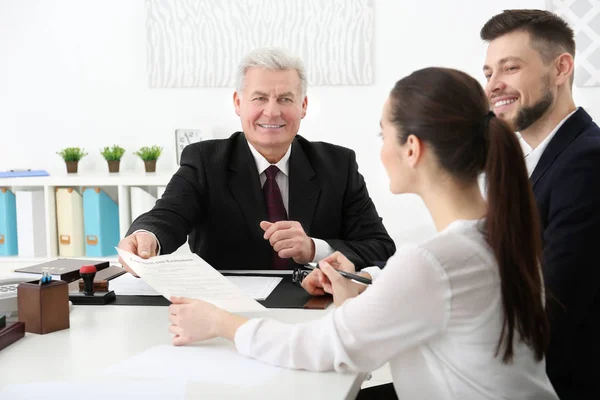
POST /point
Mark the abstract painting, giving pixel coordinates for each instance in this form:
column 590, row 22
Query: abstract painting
column 198, row 43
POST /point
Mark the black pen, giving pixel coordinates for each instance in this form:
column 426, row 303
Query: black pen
column 354, row 277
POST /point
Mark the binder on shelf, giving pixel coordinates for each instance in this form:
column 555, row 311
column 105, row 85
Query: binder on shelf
column 141, row 202
column 8, row 223
column 101, row 223
column 31, row 223
column 69, row 222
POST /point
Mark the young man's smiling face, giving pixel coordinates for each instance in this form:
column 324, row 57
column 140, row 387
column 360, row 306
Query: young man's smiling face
column 518, row 81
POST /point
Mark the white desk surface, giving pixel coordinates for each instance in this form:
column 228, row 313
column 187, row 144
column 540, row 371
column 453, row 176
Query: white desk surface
column 100, row 336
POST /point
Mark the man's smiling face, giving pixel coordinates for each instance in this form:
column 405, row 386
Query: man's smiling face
column 270, row 107
column 518, row 81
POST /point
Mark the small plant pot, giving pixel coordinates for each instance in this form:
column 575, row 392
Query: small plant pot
column 150, row 165
column 72, row 166
column 113, row 166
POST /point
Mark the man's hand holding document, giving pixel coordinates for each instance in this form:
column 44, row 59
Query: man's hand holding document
column 188, row 275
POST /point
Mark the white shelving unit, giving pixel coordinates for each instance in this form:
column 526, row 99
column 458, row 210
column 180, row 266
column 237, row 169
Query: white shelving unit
column 121, row 181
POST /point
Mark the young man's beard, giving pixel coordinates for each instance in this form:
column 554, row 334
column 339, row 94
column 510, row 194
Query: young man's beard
column 527, row 116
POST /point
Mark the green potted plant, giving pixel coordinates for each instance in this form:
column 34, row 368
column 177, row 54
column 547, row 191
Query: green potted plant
column 113, row 155
column 72, row 155
column 149, row 155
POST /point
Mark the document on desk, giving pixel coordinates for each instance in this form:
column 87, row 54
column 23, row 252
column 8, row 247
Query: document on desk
column 257, row 287
column 188, row 275
column 210, row 362
column 129, row 285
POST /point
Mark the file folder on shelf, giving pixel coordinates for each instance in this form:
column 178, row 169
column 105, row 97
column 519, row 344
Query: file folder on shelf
column 31, row 223
column 141, row 202
column 8, row 223
column 101, row 223
column 22, row 173
column 69, row 222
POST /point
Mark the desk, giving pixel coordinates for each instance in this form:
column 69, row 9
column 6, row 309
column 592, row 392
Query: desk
column 100, row 336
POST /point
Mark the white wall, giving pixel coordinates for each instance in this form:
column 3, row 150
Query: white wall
column 73, row 72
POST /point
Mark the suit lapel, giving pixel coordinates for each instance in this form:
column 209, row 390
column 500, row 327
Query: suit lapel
column 303, row 191
column 245, row 186
column 563, row 137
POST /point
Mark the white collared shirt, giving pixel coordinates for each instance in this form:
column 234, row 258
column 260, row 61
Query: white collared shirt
column 532, row 156
column 322, row 248
column 282, row 179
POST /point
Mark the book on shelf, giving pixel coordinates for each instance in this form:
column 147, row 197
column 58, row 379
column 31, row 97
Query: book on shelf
column 19, row 173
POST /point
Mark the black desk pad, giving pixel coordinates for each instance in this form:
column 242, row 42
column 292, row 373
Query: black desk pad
column 287, row 294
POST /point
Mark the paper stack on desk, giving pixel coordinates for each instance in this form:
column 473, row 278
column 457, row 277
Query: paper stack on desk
column 256, row 287
column 187, row 275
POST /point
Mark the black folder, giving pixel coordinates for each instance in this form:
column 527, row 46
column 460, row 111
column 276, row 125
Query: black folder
column 287, row 294
column 64, row 269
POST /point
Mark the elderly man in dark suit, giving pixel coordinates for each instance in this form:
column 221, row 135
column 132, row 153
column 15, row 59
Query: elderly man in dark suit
column 529, row 69
column 265, row 196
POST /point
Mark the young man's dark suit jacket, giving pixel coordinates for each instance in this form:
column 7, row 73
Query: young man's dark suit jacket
column 566, row 184
column 216, row 198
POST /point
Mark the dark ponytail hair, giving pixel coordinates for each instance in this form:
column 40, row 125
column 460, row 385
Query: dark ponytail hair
column 448, row 110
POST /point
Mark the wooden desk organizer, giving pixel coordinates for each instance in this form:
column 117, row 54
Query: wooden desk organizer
column 43, row 308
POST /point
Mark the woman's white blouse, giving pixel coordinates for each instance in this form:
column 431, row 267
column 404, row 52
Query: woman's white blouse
column 434, row 313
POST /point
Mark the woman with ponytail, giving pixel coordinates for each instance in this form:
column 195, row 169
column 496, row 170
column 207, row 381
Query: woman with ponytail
column 460, row 316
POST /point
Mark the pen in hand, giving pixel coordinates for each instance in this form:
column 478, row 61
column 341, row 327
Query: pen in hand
column 354, row 277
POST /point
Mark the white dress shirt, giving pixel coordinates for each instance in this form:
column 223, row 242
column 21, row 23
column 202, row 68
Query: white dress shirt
column 532, row 156
column 435, row 314
column 322, row 248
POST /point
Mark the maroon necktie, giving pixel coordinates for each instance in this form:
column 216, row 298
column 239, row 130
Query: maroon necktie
column 275, row 209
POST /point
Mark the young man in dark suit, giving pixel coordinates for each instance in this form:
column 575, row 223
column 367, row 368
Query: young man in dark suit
column 265, row 196
column 529, row 71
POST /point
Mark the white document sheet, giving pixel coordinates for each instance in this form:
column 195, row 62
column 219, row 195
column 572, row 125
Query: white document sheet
column 207, row 362
column 188, row 275
column 96, row 390
column 257, row 287
column 129, row 285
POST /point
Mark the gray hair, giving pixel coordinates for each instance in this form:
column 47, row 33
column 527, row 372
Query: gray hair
column 274, row 59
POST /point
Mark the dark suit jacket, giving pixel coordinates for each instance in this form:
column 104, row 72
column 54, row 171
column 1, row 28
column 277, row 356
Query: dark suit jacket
column 566, row 185
column 216, row 198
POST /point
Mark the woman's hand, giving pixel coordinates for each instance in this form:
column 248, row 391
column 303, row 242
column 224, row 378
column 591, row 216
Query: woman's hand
column 338, row 261
column 312, row 283
column 193, row 320
column 341, row 288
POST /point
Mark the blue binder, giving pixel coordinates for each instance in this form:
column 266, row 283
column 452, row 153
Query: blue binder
column 100, row 223
column 8, row 223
